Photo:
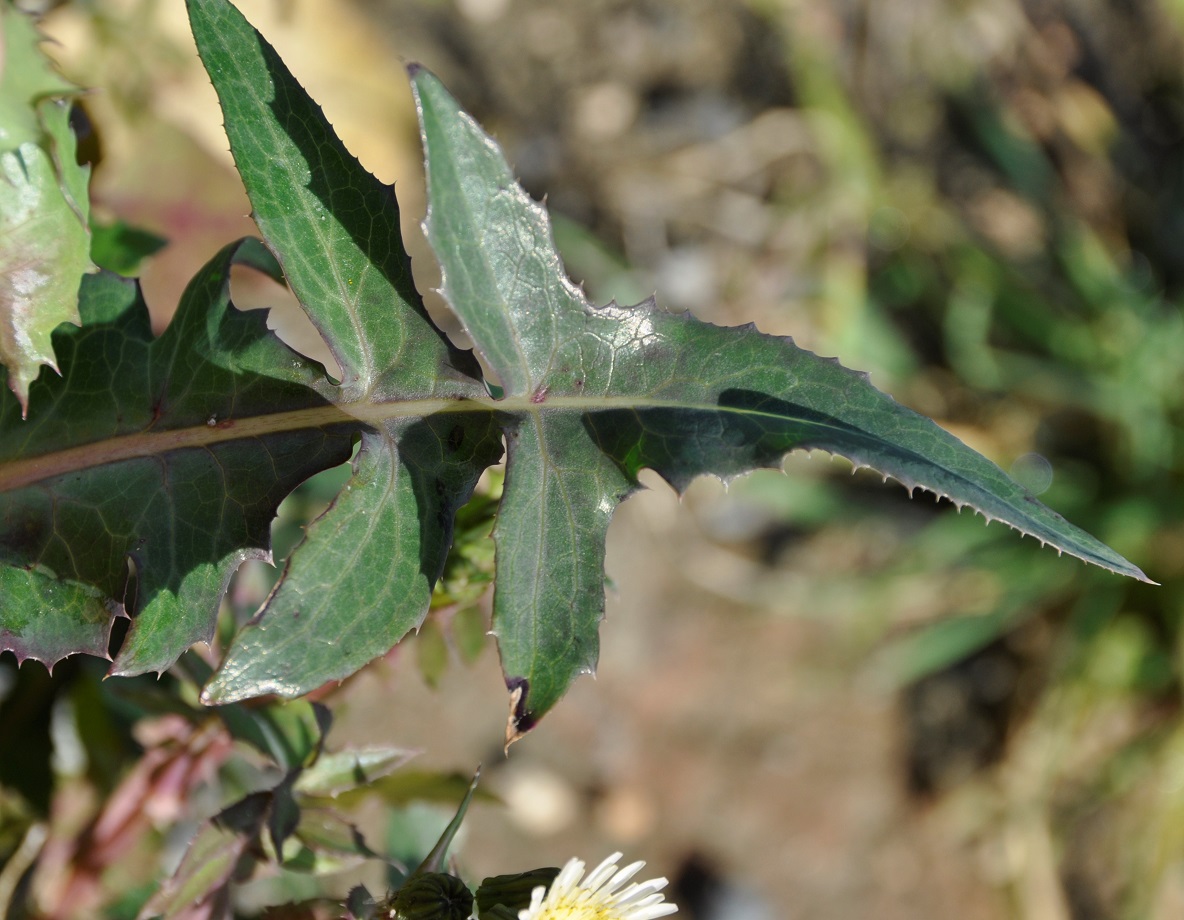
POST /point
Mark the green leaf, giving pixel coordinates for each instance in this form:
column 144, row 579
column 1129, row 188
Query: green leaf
column 333, row 226
column 290, row 732
column 431, row 652
column 215, row 856
column 81, row 620
column 136, row 458
column 505, row 895
column 359, row 904
column 28, row 80
column 121, row 248
column 468, row 631
column 403, row 787
column 595, row 394
column 328, row 844
column 339, row 772
column 434, row 861
column 284, row 813
column 336, row 232
column 384, row 540
column 152, row 467
column 44, row 239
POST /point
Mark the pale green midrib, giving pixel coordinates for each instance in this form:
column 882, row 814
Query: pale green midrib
column 18, row 474
column 22, row 473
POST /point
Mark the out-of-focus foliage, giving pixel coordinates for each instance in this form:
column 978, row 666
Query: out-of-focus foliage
column 107, row 787
column 1021, row 218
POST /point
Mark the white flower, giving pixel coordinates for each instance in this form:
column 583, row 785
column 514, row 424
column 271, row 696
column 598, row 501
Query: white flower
column 600, row 896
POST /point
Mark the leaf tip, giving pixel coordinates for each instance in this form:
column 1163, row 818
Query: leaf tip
column 210, row 696
column 521, row 720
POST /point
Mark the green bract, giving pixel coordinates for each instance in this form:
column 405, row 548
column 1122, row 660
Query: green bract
column 152, row 468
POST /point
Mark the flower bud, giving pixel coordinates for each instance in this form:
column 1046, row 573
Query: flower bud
column 433, row 896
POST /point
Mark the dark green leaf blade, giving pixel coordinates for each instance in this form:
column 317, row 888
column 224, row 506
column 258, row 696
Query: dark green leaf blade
column 560, row 493
column 80, row 622
column 364, row 575
column 122, row 248
column 597, row 394
column 509, row 289
column 168, row 456
column 335, row 229
column 333, row 226
column 732, row 400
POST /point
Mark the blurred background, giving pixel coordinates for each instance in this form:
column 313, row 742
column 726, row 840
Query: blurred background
column 817, row 698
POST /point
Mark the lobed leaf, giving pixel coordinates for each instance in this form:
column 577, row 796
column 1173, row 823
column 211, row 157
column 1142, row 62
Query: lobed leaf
column 335, row 230
column 153, row 467
column 81, row 617
column 597, row 394
column 139, row 471
column 333, row 226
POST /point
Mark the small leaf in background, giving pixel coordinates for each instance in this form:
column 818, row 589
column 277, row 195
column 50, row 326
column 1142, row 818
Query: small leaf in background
column 434, row 861
column 511, row 893
column 284, row 813
column 353, row 768
column 286, row 731
column 469, row 569
column 469, row 630
column 359, row 904
column 334, row 842
column 408, row 787
column 44, row 205
column 431, row 651
column 428, row 892
column 122, row 248
column 214, row 858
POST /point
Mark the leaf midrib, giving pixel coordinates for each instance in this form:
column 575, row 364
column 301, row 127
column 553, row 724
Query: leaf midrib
column 24, row 472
